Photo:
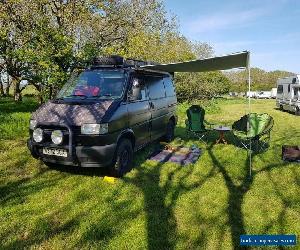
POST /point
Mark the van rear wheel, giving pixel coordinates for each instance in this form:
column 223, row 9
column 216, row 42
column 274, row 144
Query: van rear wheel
column 123, row 158
column 169, row 136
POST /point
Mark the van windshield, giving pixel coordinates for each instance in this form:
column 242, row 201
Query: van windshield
column 106, row 84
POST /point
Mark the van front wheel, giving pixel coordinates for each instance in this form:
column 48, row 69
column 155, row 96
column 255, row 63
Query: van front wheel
column 123, row 158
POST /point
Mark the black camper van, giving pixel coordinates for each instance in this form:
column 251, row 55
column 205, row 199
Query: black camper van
column 104, row 114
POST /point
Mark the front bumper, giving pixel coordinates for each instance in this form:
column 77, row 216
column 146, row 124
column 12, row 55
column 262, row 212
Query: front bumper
column 83, row 156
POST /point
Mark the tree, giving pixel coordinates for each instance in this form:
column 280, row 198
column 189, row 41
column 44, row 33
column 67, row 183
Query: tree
column 196, row 86
column 260, row 79
column 43, row 41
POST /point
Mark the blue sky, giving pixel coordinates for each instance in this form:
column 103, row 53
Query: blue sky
column 270, row 30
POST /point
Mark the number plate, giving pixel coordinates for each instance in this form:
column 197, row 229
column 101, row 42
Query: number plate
column 55, row 151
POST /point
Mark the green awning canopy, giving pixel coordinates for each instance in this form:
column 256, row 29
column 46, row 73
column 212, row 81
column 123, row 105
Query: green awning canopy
column 236, row 60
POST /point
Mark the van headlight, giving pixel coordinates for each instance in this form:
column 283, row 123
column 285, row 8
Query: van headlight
column 94, row 129
column 37, row 135
column 32, row 124
column 57, row 137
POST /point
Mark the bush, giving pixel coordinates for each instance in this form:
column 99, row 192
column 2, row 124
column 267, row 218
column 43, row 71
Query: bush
column 195, row 86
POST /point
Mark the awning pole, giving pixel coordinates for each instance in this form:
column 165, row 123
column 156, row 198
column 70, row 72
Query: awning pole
column 249, row 110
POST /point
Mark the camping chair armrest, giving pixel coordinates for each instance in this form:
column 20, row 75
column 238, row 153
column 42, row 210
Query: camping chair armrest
column 209, row 123
column 268, row 130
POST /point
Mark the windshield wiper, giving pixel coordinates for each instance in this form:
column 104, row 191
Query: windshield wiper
column 99, row 96
column 63, row 97
column 82, row 96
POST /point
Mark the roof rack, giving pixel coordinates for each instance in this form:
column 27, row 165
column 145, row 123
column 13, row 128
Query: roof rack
column 137, row 63
column 118, row 61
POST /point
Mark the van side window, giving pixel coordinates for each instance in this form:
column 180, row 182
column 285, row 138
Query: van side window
column 156, row 87
column 280, row 89
column 170, row 90
column 138, row 89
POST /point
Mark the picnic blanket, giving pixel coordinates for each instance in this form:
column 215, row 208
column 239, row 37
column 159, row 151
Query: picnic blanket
column 177, row 154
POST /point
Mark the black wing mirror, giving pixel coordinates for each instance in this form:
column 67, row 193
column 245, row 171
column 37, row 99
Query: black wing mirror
column 135, row 91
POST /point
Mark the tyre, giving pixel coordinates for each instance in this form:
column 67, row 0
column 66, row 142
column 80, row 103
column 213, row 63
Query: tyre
column 297, row 111
column 169, row 136
column 281, row 107
column 123, row 158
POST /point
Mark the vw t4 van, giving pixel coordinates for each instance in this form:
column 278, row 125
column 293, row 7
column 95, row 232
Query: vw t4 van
column 103, row 115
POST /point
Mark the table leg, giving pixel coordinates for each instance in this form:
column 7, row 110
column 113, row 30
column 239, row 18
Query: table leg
column 221, row 138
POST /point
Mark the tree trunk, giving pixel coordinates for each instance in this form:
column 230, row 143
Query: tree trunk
column 1, row 89
column 50, row 92
column 39, row 88
column 6, row 89
column 41, row 97
column 17, row 90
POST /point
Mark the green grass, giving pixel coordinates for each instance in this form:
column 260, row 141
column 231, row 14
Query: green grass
column 14, row 118
column 155, row 206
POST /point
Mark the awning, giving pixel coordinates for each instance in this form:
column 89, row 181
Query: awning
column 236, row 60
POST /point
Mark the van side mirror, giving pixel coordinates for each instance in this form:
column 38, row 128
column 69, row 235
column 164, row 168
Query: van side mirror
column 130, row 96
column 134, row 94
column 135, row 90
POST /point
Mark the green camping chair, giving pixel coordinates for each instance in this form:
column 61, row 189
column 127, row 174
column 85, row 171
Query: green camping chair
column 196, row 124
column 254, row 128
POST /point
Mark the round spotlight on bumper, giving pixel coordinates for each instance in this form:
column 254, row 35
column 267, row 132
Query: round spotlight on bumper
column 57, row 137
column 37, row 135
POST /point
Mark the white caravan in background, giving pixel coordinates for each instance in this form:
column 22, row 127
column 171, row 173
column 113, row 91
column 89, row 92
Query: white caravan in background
column 273, row 93
column 263, row 95
column 251, row 94
column 288, row 94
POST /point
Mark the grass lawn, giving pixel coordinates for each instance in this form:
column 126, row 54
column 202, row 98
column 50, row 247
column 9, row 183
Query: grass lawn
column 155, row 206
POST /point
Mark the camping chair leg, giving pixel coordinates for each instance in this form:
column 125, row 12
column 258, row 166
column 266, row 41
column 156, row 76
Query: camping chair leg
column 244, row 144
column 200, row 137
column 265, row 143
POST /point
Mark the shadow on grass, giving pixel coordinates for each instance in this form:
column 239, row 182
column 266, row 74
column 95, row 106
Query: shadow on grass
column 15, row 192
column 237, row 194
column 161, row 222
column 91, row 171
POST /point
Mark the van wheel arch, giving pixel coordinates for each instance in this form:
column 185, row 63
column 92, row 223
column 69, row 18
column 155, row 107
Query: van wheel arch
column 123, row 158
column 127, row 135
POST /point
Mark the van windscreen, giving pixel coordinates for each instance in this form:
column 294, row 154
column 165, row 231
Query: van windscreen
column 94, row 83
